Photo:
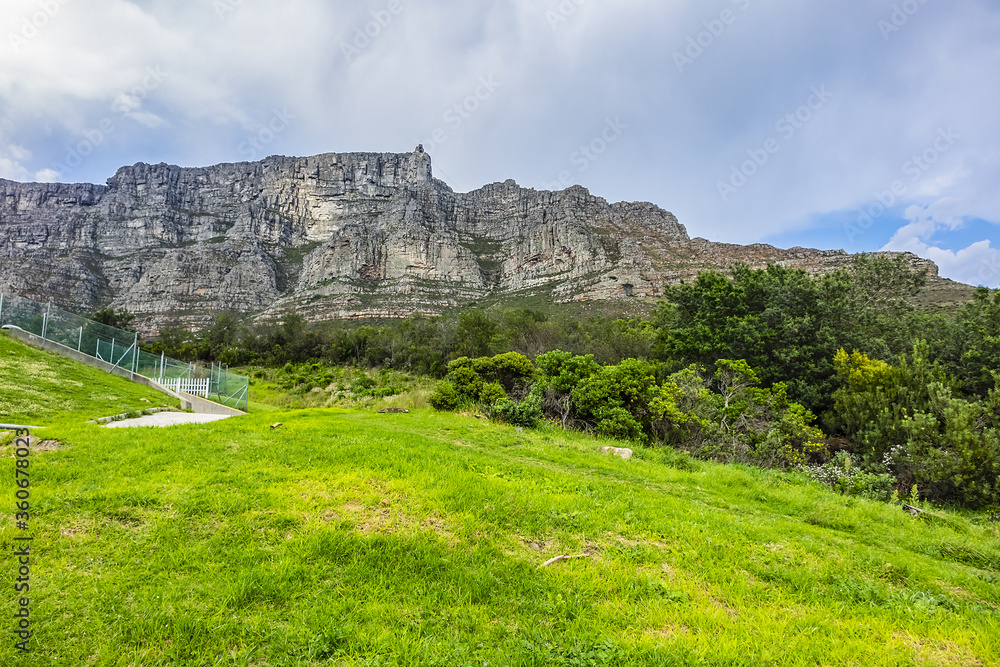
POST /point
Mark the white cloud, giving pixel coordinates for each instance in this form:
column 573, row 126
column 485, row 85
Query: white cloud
column 976, row 264
column 223, row 76
column 46, row 176
column 11, row 158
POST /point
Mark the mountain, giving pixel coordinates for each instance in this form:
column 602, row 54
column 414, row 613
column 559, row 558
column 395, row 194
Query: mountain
column 340, row 235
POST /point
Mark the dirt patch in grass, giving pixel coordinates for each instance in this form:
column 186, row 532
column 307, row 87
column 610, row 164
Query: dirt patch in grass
column 383, row 518
column 45, row 445
column 937, row 653
column 956, row 591
column 436, row 524
column 670, row 631
column 723, row 606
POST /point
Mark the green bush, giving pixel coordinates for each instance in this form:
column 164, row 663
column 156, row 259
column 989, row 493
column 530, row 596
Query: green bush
column 905, row 419
column 512, row 369
column 445, row 396
column 489, row 379
column 841, row 476
column 565, row 371
column 364, row 385
column 466, row 381
column 491, row 392
column 617, row 423
column 948, row 452
column 527, row 413
column 615, row 399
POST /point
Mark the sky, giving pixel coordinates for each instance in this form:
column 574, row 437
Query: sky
column 865, row 126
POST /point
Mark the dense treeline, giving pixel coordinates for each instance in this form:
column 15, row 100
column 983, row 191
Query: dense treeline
column 836, row 374
column 418, row 344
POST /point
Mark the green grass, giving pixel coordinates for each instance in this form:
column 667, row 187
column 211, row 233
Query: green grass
column 298, row 386
column 39, row 387
column 347, row 537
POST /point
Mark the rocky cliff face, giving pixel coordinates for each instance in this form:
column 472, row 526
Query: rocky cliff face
column 338, row 235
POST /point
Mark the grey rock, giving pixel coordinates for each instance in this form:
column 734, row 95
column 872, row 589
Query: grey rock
column 338, row 236
column 622, row 452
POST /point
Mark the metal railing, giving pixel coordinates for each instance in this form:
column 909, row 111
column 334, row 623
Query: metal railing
column 120, row 348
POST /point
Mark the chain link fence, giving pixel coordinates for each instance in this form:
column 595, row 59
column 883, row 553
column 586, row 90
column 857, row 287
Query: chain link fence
column 121, row 349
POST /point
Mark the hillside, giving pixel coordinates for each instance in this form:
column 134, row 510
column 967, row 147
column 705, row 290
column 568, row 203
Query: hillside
column 355, row 538
column 38, row 387
column 342, row 235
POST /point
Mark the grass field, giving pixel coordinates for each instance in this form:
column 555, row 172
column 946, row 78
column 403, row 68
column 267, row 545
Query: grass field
column 347, row 537
column 36, row 385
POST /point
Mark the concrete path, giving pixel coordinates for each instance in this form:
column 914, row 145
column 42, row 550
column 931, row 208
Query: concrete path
column 166, row 419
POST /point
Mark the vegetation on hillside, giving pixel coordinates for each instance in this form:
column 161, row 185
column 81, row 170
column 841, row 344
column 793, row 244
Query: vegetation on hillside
column 756, row 366
column 38, row 387
column 355, row 538
column 349, row 537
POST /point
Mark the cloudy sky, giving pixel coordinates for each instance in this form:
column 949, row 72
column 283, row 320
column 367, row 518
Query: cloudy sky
column 864, row 125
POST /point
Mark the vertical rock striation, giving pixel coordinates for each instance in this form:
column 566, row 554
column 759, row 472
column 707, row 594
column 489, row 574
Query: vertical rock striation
column 336, row 235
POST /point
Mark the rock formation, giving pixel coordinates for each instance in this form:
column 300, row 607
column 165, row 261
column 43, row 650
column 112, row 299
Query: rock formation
column 338, row 236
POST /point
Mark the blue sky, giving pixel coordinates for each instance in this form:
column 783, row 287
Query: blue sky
column 867, row 126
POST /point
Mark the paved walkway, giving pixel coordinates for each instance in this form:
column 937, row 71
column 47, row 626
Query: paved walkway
column 166, row 419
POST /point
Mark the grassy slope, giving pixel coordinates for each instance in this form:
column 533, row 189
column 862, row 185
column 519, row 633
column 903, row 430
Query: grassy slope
column 347, row 537
column 320, row 386
column 39, row 387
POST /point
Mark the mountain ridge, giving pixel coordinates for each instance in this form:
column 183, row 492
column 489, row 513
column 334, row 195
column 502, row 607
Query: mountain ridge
column 342, row 235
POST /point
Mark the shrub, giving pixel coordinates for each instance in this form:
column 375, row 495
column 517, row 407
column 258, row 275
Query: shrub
column 841, row 476
column 566, row 371
column 512, row 369
column 617, row 423
column 491, row 392
column 466, row 381
column 948, row 452
column 615, row 399
column 445, row 396
column 527, row 413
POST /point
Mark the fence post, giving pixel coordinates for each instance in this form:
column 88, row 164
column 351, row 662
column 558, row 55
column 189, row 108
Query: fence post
column 135, row 355
column 162, row 355
column 79, row 343
column 45, row 320
column 1, row 304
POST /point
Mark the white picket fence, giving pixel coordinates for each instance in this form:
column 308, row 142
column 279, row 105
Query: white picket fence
column 195, row 386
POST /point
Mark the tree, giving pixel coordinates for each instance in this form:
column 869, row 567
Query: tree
column 949, row 452
column 122, row 318
column 475, row 333
column 978, row 331
column 787, row 325
column 875, row 397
